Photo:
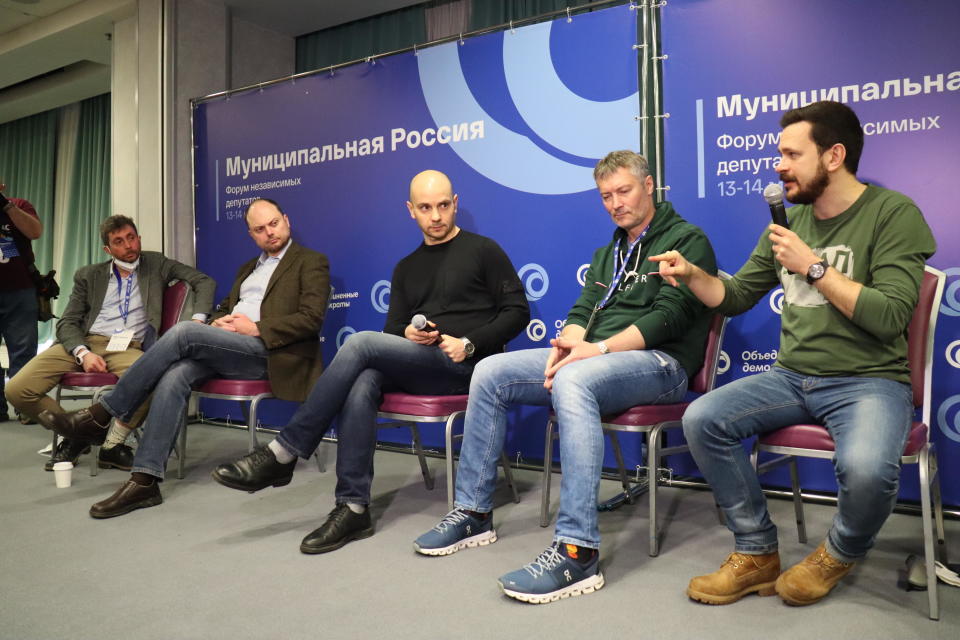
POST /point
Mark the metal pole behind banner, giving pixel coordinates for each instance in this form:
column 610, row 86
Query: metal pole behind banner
column 657, row 61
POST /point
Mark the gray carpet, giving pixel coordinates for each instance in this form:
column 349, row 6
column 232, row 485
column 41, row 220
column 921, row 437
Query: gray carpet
column 215, row 563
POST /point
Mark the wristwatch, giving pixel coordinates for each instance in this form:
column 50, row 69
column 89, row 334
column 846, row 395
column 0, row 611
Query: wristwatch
column 603, row 347
column 816, row 271
column 468, row 347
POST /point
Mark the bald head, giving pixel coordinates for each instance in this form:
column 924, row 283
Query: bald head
column 432, row 181
column 433, row 206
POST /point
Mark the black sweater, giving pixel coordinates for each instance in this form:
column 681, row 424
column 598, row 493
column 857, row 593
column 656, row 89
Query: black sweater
column 467, row 286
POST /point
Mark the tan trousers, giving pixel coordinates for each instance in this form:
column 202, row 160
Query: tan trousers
column 27, row 391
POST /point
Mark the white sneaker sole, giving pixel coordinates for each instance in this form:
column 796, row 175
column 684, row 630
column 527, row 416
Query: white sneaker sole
column 479, row 540
column 587, row 585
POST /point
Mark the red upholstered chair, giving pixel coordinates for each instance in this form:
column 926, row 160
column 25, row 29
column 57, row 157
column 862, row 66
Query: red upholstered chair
column 813, row 441
column 406, row 410
column 252, row 391
column 94, row 385
column 652, row 420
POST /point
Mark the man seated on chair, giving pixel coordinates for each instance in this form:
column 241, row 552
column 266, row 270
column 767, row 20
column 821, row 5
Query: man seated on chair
column 850, row 264
column 628, row 340
column 113, row 316
column 465, row 285
column 276, row 307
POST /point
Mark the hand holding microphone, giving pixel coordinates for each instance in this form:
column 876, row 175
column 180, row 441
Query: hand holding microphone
column 773, row 194
column 421, row 331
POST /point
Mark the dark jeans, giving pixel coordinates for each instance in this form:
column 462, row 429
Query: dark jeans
column 18, row 328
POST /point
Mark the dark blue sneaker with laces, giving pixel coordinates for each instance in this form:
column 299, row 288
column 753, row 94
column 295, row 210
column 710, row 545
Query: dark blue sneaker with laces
column 457, row 530
column 552, row 576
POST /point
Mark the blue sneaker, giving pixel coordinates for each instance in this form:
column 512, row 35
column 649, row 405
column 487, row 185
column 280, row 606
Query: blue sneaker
column 457, row 530
column 552, row 576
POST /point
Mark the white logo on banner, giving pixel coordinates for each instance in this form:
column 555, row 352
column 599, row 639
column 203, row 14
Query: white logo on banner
column 953, row 354
column 530, row 275
column 723, row 363
column 536, row 330
column 776, row 300
column 949, row 427
column 343, row 334
column 582, row 274
column 544, row 102
column 380, row 296
column 951, row 293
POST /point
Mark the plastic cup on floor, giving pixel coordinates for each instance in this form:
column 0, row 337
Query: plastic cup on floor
column 63, row 474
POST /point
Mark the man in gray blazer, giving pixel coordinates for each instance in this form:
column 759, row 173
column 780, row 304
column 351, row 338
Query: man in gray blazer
column 276, row 307
column 122, row 297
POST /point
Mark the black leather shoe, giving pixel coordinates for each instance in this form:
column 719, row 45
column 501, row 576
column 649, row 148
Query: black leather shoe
column 341, row 527
column 128, row 497
column 76, row 425
column 67, row 451
column 257, row 470
column 117, row 457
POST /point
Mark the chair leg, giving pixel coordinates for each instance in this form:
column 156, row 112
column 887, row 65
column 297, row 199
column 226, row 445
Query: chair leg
column 508, row 476
column 653, row 463
column 618, row 454
column 182, row 454
column 927, row 515
column 418, row 447
column 937, row 506
column 252, row 422
column 448, row 438
column 547, row 475
column 798, row 502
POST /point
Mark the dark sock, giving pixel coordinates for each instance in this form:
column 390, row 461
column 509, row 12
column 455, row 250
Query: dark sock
column 142, row 479
column 100, row 414
column 477, row 514
column 581, row 555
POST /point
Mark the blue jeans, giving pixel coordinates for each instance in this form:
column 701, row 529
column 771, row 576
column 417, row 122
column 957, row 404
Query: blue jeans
column 350, row 390
column 187, row 354
column 868, row 418
column 582, row 392
column 18, row 328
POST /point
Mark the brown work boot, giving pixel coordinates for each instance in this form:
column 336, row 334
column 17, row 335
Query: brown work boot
column 739, row 575
column 811, row 579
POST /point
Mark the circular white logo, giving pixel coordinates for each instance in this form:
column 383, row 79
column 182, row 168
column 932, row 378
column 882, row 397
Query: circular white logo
column 535, row 281
column 343, row 334
column 953, row 354
column 536, row 330
column 950, row 304
column 380, row 295
column 723, row 363
column 949, row 427
column 776, row 300
column 582, row 274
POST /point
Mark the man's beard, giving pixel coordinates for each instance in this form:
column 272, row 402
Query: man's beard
column 810, row 193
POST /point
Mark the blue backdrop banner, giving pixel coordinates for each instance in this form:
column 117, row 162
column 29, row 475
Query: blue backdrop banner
column 517, row 120
column 735, row 66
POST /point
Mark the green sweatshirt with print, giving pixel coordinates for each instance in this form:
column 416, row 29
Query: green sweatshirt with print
column 671, row 319
column 882, row 242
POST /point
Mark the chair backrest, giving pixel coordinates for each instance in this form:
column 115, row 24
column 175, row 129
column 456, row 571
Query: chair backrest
column 174, row 300
column 705, row 379
column 920, row 336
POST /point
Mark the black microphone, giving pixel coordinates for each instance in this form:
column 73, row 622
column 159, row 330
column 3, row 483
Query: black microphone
column 419, row 322
column 773, row 194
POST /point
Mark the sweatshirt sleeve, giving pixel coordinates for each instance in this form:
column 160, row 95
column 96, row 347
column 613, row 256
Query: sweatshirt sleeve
column 755, row 278
column 513, row 311
column 902, row 244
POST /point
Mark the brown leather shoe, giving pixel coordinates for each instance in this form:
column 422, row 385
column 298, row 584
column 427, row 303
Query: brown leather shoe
column 739, row 575
column 811, row 579
column 128, row 497
column 76, row 425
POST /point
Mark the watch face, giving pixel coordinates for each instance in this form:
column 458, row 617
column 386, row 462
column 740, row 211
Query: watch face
column 469, row 348
column 815, row 272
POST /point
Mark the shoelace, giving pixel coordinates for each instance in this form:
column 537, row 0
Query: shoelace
column 455, row 517
column 735, row 560
column 828, row 562
column 547, row 560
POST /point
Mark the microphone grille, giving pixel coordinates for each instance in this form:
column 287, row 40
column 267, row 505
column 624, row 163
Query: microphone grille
column 419, row 322
column 773, row 193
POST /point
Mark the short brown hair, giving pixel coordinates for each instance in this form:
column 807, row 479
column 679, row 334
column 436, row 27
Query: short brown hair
column 625, row 159
column 115, row 223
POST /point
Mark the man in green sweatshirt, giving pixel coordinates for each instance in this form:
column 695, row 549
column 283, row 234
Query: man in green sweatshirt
column 850, row 266
column 628, row 340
